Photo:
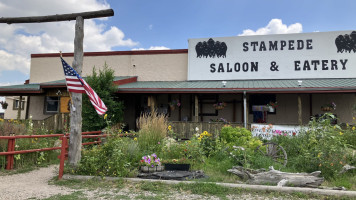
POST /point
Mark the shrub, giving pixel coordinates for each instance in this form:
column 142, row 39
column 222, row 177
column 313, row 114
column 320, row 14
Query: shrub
column 321, row 146
column 235, row 135
column 117, row 157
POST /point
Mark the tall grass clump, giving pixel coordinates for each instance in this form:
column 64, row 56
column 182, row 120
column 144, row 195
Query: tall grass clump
column 152, row 130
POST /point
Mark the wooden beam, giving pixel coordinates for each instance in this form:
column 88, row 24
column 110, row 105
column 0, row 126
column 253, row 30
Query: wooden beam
column 56, row 18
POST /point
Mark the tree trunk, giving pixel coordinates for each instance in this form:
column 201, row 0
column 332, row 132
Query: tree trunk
column 75, row 139
column 279, row 178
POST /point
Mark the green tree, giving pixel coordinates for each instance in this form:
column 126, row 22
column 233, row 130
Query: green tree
column 102, row 83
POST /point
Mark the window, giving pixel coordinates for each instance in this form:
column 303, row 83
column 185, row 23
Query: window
column 261, row 99
column 17, row 103
column 51, row 105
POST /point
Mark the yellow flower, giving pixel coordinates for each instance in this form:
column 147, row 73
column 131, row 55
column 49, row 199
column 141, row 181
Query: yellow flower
column 319, row 154
column 135, row 138
column 105, row 116
column 353, row 128
column 341, row 133
column 347, row 124
column 169, row 127
column 320, row 165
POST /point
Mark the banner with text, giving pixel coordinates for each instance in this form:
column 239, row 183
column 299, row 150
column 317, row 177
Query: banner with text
column 268, row 131
column 281, row 56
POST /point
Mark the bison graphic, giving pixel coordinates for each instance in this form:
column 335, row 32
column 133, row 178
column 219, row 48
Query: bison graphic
column 211, row 49
column 346, row 43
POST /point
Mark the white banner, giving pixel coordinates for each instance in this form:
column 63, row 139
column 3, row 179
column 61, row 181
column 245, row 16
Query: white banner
column 282, row 56
column 268, row 131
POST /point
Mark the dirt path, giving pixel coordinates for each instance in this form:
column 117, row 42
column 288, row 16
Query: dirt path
column 33, row 184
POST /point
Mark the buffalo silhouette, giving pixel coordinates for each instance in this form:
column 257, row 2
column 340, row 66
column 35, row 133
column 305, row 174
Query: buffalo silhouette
column 211, row 49
column 346, row 43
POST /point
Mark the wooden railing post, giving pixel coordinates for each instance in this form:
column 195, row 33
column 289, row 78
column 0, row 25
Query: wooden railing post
column 10, row 158
column 62, row 156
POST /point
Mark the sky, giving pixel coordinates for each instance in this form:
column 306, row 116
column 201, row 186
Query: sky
column 156, row 24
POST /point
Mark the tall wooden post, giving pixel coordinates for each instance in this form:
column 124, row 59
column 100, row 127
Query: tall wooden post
column 19, row 109
column 196, row 108
column 75, row 139
column 300, row 119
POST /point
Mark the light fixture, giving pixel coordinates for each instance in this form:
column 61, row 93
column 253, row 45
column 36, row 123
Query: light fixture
column 224, row 83
column 300, row 83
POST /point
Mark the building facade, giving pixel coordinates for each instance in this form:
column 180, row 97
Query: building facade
column 277, row 79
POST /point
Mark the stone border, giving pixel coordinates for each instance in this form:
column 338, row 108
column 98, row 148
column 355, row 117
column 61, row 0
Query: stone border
column 231, row 185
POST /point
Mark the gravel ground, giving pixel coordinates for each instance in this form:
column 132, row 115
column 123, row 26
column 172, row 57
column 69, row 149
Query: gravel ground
column 34, row 185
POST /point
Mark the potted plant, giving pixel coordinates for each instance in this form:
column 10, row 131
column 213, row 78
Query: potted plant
column 219, row 105
column 181, row 164
column 151, row 163
column 4, row 104
column 174, row 103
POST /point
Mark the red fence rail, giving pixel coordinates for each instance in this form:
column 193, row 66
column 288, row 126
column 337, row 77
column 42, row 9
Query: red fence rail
column 10, row 153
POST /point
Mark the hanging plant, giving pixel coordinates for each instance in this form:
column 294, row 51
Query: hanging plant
column 4, row 104
column 219, row 105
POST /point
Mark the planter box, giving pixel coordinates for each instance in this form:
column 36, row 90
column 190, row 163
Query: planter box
column 147, row 169
column 179, row 167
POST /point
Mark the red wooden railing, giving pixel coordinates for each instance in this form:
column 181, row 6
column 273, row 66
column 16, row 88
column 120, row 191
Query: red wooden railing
column 10, row 153
column 63, row 137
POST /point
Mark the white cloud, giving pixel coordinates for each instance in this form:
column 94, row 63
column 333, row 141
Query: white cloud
column 275, row 26
column 153, row 48
column 150, row 27
column 18, row 41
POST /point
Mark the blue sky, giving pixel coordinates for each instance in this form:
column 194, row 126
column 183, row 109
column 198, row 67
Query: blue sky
column 157, row 24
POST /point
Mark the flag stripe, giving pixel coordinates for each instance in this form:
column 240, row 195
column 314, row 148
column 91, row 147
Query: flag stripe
column 76, row 84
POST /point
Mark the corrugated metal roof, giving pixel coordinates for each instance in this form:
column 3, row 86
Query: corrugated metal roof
column 20, row 87
column 326, row 85
column 62, row 81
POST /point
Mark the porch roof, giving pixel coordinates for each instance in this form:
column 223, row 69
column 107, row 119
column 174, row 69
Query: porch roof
column 238, row 86
column 37, row 88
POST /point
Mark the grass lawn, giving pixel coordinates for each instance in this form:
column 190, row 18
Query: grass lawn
column 121, row 189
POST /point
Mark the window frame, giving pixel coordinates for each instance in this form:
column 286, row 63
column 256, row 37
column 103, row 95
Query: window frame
column 45, row 111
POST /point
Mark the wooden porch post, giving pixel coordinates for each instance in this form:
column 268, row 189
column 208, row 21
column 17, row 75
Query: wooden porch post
column 300, row 119
column 196, row 108
column 19, row 108
column 245, row 109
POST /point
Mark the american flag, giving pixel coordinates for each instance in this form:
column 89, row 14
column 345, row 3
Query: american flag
column 77, row 84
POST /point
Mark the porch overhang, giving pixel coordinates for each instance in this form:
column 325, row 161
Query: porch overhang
column 240, row 86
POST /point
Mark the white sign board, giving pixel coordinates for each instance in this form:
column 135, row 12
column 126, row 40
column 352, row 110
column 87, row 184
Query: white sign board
column 282, row 56
column 268, row 131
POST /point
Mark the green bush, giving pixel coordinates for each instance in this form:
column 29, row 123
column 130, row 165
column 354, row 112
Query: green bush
column 103, row 85
column 321, row 146
column 239, row 136
column 117, row 157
